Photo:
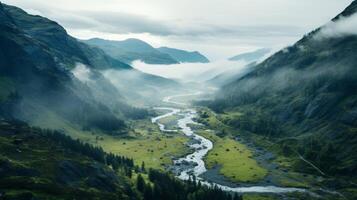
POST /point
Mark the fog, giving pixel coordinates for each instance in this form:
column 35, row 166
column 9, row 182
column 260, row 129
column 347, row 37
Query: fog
column 342, row 27
column 82, row 73
column 190, row 71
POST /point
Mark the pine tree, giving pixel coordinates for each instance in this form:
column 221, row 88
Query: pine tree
column 143, row 166
column 140, row 183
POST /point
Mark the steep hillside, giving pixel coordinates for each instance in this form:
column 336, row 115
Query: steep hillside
column 184, row 56
column 132, row 49
column 38, row 60
column 37, row 164
column 303, row 98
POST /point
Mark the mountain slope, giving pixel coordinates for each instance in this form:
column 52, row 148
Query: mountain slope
column 303, row 98
column 132, row 49
column 251, row 56
column 37, row 164
column 184, row 56
column 37, row 63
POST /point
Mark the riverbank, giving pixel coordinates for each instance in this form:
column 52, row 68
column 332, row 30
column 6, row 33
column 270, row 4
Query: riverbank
column 193, row 164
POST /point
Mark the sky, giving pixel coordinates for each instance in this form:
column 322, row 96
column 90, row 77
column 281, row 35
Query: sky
column 217, row 28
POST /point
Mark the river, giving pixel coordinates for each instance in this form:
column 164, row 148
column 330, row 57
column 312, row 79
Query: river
column 193, row 163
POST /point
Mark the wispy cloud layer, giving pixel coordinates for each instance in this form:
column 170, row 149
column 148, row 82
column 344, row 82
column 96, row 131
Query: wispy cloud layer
column 219, row 28
column 341, row 27
column 190, row 71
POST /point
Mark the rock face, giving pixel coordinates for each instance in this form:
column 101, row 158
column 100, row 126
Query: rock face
column 184, row 56
column 304, row 91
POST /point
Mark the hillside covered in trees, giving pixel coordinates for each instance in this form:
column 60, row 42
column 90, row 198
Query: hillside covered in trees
column 45, row 164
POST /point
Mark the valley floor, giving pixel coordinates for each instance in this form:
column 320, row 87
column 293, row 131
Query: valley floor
column 235, row 160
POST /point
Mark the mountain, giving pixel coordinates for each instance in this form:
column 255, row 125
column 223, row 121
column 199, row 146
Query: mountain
column 42, row 83
column 130, row 50
column 253, row 56
column 184, row 56
column 303, row 99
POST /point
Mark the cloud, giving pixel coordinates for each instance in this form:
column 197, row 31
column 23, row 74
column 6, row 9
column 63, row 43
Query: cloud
column 119, row 22
column 344, row 26
column 124, row 23
column 216, row 28
column 190, row 71
column 82, row 73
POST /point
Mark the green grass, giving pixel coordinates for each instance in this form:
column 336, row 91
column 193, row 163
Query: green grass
column 259, row 197
column 156, row 151
column 144, row 142
column 235, row 159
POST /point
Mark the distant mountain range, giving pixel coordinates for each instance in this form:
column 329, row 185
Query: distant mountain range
column 303, row 99
column 134, row 49
column 250, row 57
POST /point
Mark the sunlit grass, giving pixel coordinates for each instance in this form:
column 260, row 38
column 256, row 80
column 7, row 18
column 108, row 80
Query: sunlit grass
column 144, row 141
column 235, row 159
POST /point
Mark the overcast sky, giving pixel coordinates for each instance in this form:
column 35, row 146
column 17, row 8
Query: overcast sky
column 217, row 28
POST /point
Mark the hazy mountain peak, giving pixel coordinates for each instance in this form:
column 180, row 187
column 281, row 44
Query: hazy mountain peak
column 251, row 56
column 184, row 56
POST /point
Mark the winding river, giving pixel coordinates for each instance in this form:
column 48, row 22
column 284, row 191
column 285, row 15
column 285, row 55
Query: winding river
column 193, row 163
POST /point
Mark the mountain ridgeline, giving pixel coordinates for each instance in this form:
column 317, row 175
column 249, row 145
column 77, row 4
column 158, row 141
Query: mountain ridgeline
column 184, row 56
column 133, row 49
column 303, row 98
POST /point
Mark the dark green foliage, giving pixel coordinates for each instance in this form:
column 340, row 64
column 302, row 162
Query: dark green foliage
column 165, row 186
column 140, row 183
column 48, row 164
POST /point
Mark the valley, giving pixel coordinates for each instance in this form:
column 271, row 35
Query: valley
column 232, row 164
column 106, row 104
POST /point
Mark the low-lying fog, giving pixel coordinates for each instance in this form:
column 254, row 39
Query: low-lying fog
column 191, row 71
